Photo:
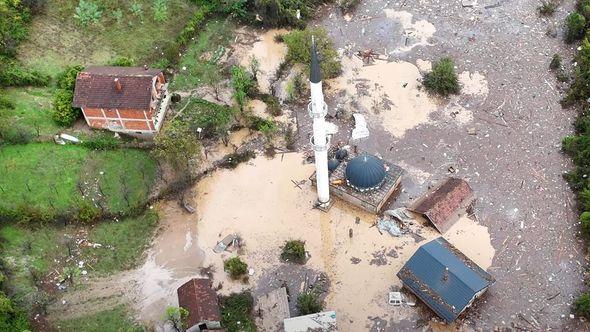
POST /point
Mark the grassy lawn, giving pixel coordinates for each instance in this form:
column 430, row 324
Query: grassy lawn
column 30, row 254
column 57, row 39
column 32, row 110
column 51, row 177
column 202, row 55
column 116, row 319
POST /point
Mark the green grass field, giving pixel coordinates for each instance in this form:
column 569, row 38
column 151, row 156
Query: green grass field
column 57, row 39
column 32, row 110
column 200, row 57
column 33, row 253
column 115, row 320
column 46, row 176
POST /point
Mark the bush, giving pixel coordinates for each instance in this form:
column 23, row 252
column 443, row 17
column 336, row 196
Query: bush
column 555, row 62
column 122, row 62
column 582, row 305
column 12, row 318
column 87, row 212
column 67, row 79
column 309, row 303
column 575, row 25
column 299, row 50
column 235, row 267
column 177, row 144
column 294, row 251
column 88, row 12
column 547, row 7
column 193, row 25
column 283, row 13
column 5, row 103
column 236, row 312
column 242, row 82
column 14, row 26
column 177, row 317
column 101, row 142
column 15, row 134
column 233, row 160
column 272, row 104
column 442, row 79
column 63, row 112
column 213, row 119
column 12, row 73
column 585, row 222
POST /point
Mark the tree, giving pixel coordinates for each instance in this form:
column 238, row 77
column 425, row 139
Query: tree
column 294, row 251
column 177, row 317
column 442, row 79
column 63, row 112
column 176, row 144
column 299, row 50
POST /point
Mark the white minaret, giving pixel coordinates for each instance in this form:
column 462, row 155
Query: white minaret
column 317, row 110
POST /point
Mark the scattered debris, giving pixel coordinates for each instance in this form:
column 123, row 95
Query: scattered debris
column 229, row 240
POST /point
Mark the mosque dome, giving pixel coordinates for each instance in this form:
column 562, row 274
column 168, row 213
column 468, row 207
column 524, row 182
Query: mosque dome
column 365, row 172
column 333, row 164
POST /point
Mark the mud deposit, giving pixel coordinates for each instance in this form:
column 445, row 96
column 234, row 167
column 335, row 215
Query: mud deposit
column 259, row 202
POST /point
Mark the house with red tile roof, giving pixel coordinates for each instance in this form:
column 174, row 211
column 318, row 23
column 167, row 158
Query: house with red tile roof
column 130, row 100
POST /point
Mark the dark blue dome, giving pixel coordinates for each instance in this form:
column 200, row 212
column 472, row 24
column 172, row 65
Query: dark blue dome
column 365, row 172
column 333, row 164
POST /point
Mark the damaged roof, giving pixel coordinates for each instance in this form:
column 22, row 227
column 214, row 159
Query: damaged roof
column 444, row 278
column 442, row 204
column 96, row 88
column 198, row 297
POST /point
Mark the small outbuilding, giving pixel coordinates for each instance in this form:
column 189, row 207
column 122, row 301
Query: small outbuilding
column 444, row 278
column 443, row 204
column 199, row 298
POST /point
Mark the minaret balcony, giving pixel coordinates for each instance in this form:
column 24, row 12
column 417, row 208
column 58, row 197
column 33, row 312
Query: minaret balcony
column 322, row 113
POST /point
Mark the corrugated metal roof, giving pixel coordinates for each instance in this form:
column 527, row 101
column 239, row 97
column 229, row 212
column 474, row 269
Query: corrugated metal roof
column 321, row 322
column 442, row 204
column 444, row 278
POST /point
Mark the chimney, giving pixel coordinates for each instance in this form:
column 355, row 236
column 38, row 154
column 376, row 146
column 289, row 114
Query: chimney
column 118, row 85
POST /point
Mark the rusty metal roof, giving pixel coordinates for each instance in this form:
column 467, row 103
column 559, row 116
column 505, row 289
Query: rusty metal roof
column 441, row 204
column 444, row 278
column 95, row 87
column 198, row 297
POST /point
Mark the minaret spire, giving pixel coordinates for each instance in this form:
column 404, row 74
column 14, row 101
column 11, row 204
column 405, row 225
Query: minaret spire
column 317, row 110
column 315, row 75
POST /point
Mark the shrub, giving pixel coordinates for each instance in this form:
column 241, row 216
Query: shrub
column 67, row 78
column 137, row 10
column 442, row 79
column 294, row 251
column 14, row 26
column 281, row 13
column 118, row 15
column 547, row 7
column 585, row 222
column 122, row 62
column 87, row 212
column 555, row 62
column 575, row 24
column 236, row 158
column 193, row 24
column 272, row 104
column 582, row 305
column 15, row 134
column 580, row 89
column 236, row 312
column 6, row 103
column 63, row 112
column 309, row 303
column 12, row 318
column 12, row 73
column 177, row 317
column 242, row 82
column 101, row 142
column 160, row 10
column 299, row 50
column 88, row 12
column 213, row 119
column 235, row 267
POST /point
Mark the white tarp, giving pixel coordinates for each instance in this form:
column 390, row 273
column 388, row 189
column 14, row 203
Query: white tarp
column 360, row 127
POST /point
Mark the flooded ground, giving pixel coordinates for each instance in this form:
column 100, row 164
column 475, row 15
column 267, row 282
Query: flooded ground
column 273, row 209
column 502, row 134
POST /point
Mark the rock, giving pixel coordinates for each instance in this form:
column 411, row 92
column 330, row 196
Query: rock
column 469, row 3
column 471, row 131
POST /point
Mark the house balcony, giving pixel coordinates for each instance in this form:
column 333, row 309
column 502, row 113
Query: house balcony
column 161, row 107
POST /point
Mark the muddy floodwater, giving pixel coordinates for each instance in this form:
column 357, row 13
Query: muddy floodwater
column 261, row 202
